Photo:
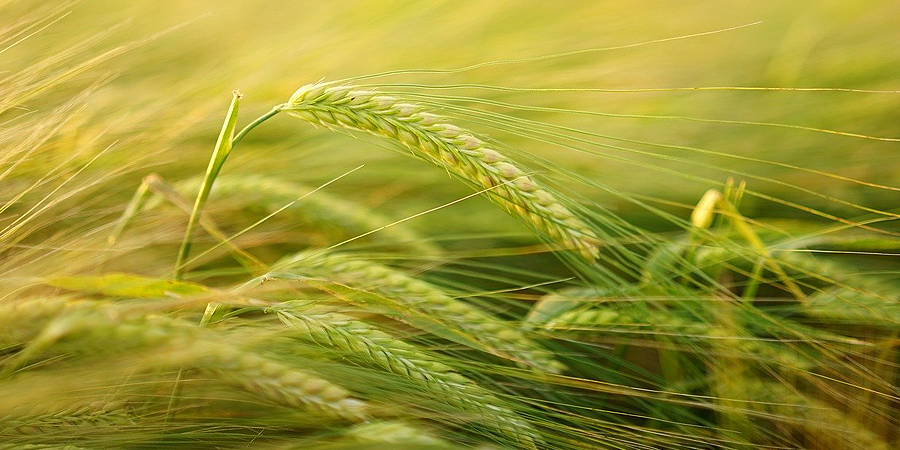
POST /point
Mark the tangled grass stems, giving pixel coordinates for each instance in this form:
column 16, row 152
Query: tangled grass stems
column 604, row 402
column 817, row 422
column 322, row 212
column 140, row 201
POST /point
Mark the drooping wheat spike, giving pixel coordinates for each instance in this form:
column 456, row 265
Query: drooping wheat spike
column 320, row 211
column 181, row 344
column 92, row 416
column 847, row 297
column 393, row 432
column 621, row 317
column 628, row 317
column 277, row 381
column 359, row 340
column 554, row 304
column 505, row 338
column 432, row 138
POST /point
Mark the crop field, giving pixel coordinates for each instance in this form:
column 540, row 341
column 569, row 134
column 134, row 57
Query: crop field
column 385, row 224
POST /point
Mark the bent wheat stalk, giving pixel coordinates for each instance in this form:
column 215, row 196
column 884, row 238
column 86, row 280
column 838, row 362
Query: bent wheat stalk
column 428, row 136
column 367, row 344
column 431, row 137
column 503, row 338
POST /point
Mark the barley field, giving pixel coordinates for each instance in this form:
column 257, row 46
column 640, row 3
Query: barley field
column 385, row 224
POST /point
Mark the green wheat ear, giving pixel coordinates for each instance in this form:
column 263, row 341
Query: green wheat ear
column 500, row 337
column 432, row 138
column 364, row 343
column 429, row 137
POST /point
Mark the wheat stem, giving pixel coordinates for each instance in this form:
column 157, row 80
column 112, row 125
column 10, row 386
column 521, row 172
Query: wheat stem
column 323, row 213
column 240, row 134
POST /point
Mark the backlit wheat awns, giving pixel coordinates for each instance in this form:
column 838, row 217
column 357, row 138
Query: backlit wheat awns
column 431, row 137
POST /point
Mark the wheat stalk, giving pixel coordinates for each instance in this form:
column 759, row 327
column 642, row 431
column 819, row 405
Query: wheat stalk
column 376, row 347
column 184, row 345
column 431, row 137
column 507, row 340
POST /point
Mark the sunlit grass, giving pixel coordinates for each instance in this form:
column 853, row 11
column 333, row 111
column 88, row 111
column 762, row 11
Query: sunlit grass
column 333, row 293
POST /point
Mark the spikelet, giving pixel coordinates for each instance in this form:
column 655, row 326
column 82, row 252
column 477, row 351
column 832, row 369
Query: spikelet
column 703, row 214
column 393, row 432
column 626, row 316
column 481, row 325
column 554, row 304
column 92, row 416
column 361, row 341
column 430, row 137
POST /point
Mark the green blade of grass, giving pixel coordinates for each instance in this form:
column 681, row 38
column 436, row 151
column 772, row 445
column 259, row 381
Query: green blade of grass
column 220, row 154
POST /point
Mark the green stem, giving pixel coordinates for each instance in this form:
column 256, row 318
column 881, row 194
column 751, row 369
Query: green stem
column 752, row 286
column 739, row 224
column 220, row 153
column 240, row 135
column 226, row 142
column 134, row 206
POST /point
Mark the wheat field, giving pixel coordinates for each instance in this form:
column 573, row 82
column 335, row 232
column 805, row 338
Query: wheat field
column 449, row 225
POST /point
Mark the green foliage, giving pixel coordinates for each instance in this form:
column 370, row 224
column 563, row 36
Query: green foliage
column 125, row 285
column 327, row 295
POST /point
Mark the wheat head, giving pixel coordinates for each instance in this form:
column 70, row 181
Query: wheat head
column 365, row 343
column 504, row 338
column 432, row 138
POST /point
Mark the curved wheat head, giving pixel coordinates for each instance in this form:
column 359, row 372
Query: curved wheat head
column 431, row 137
